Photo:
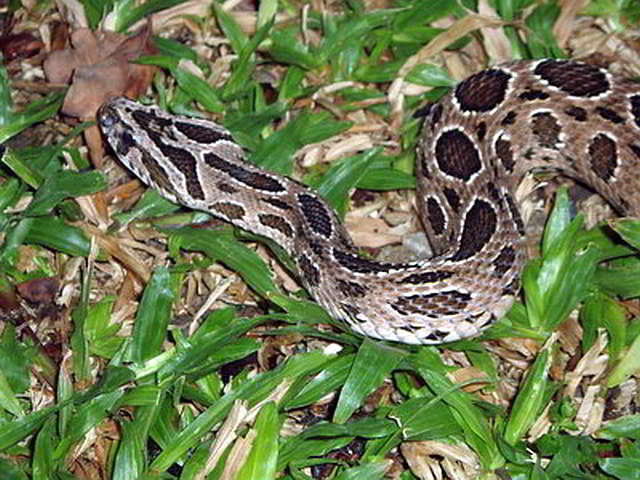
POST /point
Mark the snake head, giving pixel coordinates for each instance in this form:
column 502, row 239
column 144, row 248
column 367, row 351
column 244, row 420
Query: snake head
column 122, row 124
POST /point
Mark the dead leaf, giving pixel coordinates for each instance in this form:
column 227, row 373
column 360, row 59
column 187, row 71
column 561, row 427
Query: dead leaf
column 99, row 66
column 39, row 290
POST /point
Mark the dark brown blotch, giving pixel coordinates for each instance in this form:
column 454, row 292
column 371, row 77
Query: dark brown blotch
column 316, row 215
column 453, row 199
column 231, row 211
column 423, row 111
column 316, row 247
column 512, row 288
column 624, row 205
column 610, row 115
column 353, row 313
column 481, row 130
column 493, row 192
column 435, row 114
column 576, row 79
column 435, row 304
column 257, row 180
column 635, row 149
column 124, row 143
column 351, row 289
column 480, row 223
column 158, row 175
column 546, row 129
column 435, row 216
column 457, row 155
column 509, row 118
column 603, row 156
column 358, row 264
column 276, row 202
column 184, row 161
column 427, row 277
column 504, row 261
column 515, row 214
column 635, row 108
column 226, row 188
column 483, row 91
column 277, row 223
column 204, row 135
column 505, row 153
column 435, row 336
column 577, row 113
column 150, row 120
column 533, row 94
column 310, row 272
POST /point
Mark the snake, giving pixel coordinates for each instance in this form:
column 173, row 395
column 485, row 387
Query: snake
column 476, row 145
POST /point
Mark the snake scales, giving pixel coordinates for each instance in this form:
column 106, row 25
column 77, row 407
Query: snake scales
column 476, row 145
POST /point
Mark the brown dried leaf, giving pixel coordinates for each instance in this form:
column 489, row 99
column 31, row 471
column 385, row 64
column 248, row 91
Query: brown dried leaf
column 116, row 249
column 566, row 23
column 39, row 290
column 370, row 232
column 99, row 66
column 59, row 36
column 495, row 40
column 60, row 64
column 441, row 41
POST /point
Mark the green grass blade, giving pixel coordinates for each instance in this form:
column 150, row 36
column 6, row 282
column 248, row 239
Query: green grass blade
column 261, row 463
column 153, row 316
column 373, row 363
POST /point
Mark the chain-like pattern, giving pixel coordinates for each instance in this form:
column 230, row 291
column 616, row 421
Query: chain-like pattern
column 475, row 147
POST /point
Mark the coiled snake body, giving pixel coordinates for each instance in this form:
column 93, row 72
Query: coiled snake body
column 476, row 145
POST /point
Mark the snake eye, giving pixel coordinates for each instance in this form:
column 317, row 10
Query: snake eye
column 106, row 117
